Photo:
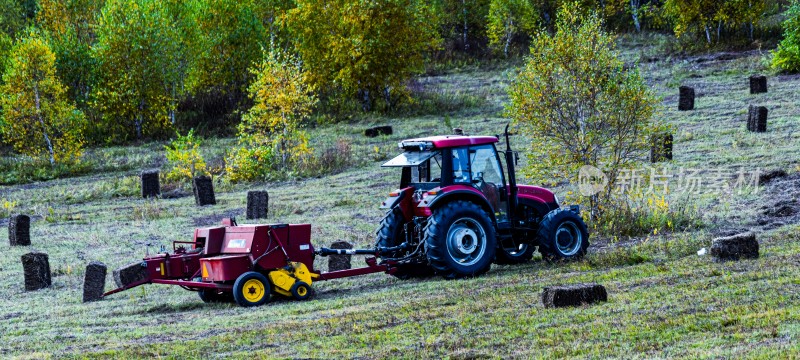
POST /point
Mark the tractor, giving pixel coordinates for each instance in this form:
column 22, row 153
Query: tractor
column 458, row 210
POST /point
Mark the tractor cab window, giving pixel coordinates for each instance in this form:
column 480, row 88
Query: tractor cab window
column 461, row 173
column 484, row 165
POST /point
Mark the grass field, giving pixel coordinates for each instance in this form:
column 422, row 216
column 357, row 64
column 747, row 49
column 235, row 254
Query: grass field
column 664, row 300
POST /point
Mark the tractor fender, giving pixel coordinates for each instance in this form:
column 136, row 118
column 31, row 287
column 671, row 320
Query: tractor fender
column 464, row 193
column 400, row 199
column 540, row 205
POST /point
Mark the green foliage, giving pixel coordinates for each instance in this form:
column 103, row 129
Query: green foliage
column 363, row 48
column 463, row 23
column 270, row 133
column 12, row 17
column 38, row 120
column 709, row 17
column 70, row 25
column 787, row 55
column 184, row 158
column 508, row 19
column 140, row 55
column 579, row 105
column 232, row 36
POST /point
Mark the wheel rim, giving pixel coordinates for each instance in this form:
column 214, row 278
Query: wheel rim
column 466, row 241
column 302, row 291
column 568, row 238
column 253, row 290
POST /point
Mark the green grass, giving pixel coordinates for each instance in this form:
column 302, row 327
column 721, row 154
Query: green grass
column 664, row 300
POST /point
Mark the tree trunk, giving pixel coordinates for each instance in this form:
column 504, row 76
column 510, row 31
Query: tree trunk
column 751, row 31
column 509, row 33
column 719, row 31
column 635, row 14
column 708, row 35
column 464, row 11
column 41, row 122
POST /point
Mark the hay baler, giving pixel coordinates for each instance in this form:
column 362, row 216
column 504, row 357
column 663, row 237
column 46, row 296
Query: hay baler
column 246, row 263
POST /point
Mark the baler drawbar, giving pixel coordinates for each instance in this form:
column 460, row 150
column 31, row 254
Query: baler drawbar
column 247, row 264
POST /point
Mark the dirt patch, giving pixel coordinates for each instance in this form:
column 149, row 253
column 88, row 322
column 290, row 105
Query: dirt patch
column 778, row 205
column 216, row 219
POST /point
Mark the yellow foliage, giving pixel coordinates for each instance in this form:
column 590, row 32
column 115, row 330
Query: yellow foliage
column 270, row 134
column 184, row 158
column 37, row 118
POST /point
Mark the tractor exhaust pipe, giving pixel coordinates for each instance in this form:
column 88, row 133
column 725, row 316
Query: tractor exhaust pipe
column 512, row 177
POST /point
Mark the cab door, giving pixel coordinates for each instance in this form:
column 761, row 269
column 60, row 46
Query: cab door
column 487, row 176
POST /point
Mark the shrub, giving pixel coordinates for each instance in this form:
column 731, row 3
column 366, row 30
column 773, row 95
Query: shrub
column 579, row 105
column 787, row 55
column 183, row 155
column 270, row 134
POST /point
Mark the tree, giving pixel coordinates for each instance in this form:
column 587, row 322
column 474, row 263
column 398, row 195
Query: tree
column 463, row 22
column 270, row 133
column 510, row 18
column 709, row 16
column 232, row 36
column 361, row 47
column 140, row 54
column 38, row 119
column 579, row 105
column 70, row 25
column 787, row 56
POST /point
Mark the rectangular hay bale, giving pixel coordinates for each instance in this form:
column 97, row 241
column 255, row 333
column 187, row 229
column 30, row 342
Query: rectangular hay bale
column 130, row 274
column 94, row 281
column 573, row 295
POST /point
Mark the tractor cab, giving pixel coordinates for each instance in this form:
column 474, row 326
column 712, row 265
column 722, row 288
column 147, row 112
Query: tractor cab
column 453, row 163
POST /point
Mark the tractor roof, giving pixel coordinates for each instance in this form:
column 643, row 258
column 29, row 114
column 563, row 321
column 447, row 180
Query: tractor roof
column 448, row 141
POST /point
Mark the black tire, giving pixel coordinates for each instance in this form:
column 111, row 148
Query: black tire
column 300, row 290
column 212, row 295
column 453, row 234
column 390, row 234
column 563, row 236
column 251, row 289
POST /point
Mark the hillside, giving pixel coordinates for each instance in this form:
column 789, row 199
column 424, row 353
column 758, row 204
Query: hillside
column 664, row 300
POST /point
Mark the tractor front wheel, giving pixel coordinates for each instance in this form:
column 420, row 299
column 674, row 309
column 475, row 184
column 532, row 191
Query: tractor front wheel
column 563, row 236
column 460, row 240
column 251, row 289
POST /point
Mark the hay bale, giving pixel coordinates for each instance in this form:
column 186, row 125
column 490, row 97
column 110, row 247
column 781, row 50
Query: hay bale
column 203, row 189
column 257, row 204
column 378, row 130
column 36, row 268
column 757, row 119
column 339, row 262
column 458, row 131
column 94, row 282
column 735, row 247
column 661, row 148
column 130, row 274
column 573, row 295
column 686, row 98
column 150, row 184
column 19, row 230
column 758, row 84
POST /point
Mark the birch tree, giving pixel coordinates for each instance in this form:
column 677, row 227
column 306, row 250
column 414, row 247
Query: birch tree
column 39, row 121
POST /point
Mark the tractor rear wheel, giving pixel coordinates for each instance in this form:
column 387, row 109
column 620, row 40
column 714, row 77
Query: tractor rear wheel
column 391, row 234
column 563, row 236
column 460, row 240
column 251, row 289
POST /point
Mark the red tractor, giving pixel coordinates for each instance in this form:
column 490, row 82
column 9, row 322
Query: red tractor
column 458, row 209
